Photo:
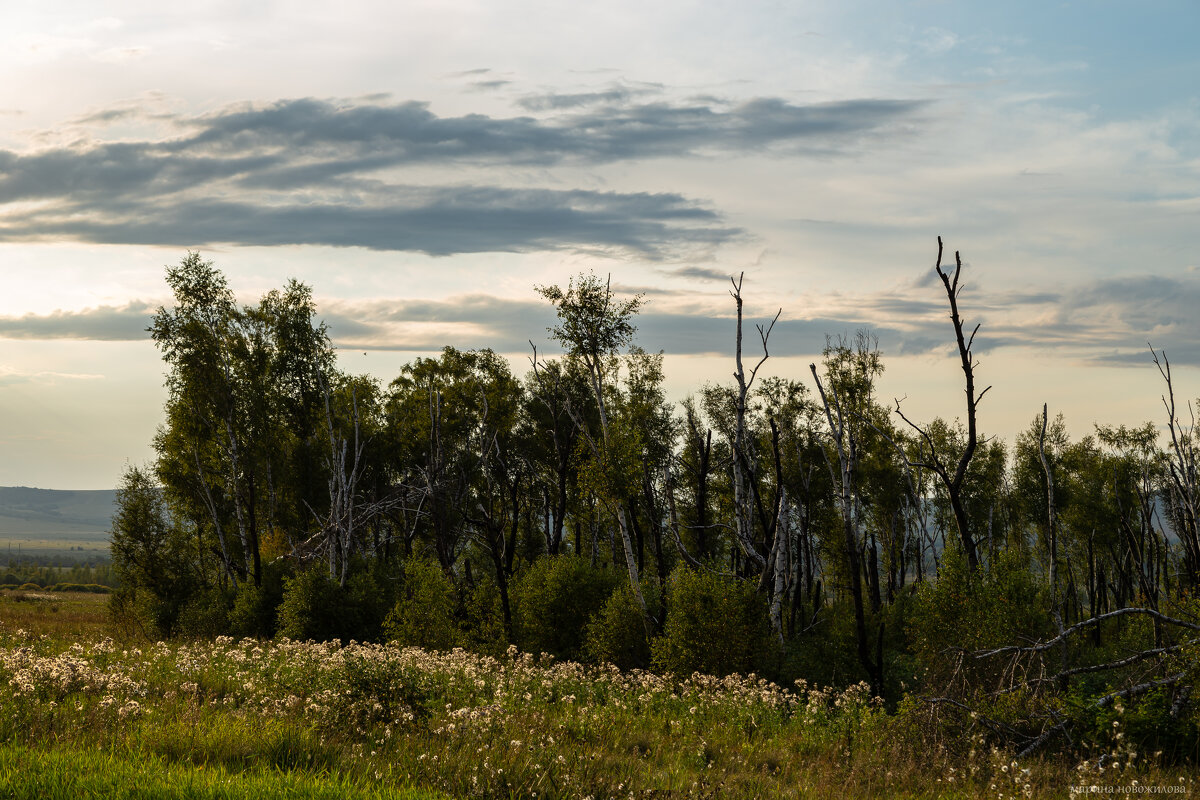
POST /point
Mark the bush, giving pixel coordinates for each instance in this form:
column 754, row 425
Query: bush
column 142, row 613
column 424, row 614
column 255, row 611
column 483, row 626
column 151, row 554
column 553, row 601
column 827, row 654
column 1001, row 606
column 715, row 625
column 90, row 588
column 315, row 606
column 204, row 615
column 617, row 634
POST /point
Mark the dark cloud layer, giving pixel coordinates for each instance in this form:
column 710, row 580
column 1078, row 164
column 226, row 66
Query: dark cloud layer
column 103, row 323
column 508, row 326
column 1109, row 320
column 435, row 221
column 319, row 172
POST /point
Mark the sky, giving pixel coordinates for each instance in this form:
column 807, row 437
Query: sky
column 423, row 165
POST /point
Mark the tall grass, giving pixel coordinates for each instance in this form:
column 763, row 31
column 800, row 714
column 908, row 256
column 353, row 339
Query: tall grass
column 71, row 773
column 64, row 616
column 267, row 717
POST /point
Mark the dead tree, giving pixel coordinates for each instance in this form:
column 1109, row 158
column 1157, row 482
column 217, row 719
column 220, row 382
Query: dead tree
column 743, row 461
column 1136, row 671
column 931, row 458
column 349, row 514
column 1051, row 510
column 1182, row 475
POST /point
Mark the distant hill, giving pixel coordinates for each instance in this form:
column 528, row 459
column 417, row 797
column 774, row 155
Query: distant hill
column 42, row 522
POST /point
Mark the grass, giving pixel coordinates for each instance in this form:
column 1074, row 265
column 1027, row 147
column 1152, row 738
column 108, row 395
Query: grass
column 72, row 773
column 82, row 713
column 63, row 616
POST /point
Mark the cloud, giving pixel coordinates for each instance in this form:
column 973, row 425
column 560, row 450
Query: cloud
column 313, row 171
column 1105, row 320
column 1102, row 321
column 704, row 273
column 10, row 376
column 102, row 323
column 489, row 86
column 437, row 221
column 556, row 101
column 466, row 321
column 408, row 132
column 506, row 325
column 939, row 40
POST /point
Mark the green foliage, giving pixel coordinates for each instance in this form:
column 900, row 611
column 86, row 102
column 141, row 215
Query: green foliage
column 483, row 624
column 1145, row 724
column 424, row 613
column 616, row 634
column 205, row 615
column 237, row 454
column 93, row 588
column 226, row 718
column 381, row 691
column 150, row 552
column 554, row 599
column 267, row 450
column 48, row 573
column 825, row 655
column 255, row 611
column 999, row 606
column 592, row 324
column 715, row 624
column 317, row 607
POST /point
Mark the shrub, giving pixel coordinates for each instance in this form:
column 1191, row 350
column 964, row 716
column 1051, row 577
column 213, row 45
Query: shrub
column 151, row 556
column 255, row 611
column 204, row 615
column 142, row 613
column 90, row 588
column 827, row 654
column 617, row 634
column 315, row 606
column 554, row 600
column 1000, row 606
column 483, row 626
column 423, row 615
column 715, row 624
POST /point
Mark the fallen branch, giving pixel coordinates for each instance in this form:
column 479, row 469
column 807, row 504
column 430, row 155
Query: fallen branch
column 1103, row 702
column 1046, row 645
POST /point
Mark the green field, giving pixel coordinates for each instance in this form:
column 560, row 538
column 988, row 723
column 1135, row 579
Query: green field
column 87, row 715
column 70, row 773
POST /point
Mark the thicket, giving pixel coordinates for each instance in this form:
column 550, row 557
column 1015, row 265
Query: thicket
column 766, row 526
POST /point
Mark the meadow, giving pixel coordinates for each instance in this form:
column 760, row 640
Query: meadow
column 86, row 713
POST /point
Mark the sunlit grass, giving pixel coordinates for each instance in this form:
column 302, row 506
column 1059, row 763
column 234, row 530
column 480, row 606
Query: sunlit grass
column 246, row 718
column 74, row 774
column 63, row 616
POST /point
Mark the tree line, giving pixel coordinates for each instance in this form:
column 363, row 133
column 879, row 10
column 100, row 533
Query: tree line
column 800, row 529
